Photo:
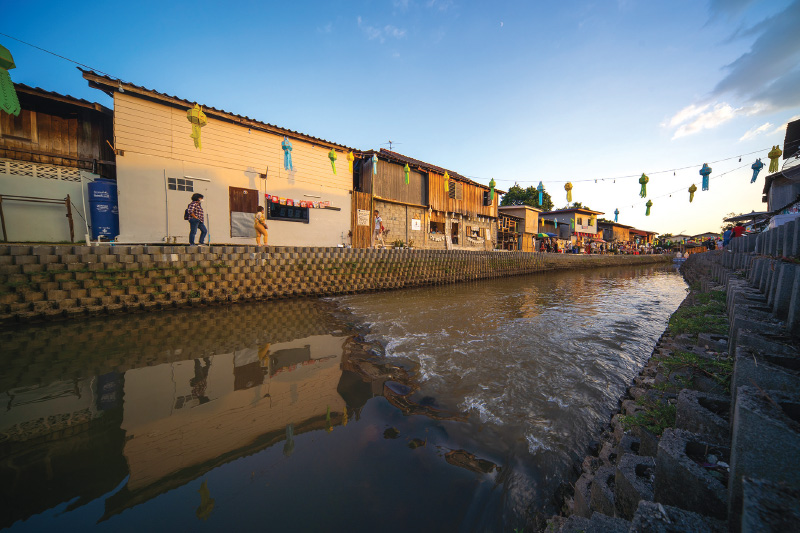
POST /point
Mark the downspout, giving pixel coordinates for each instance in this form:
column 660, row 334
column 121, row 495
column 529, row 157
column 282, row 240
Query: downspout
column 166, row 203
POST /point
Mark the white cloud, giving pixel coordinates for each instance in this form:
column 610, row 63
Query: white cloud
column 696, row 118
column 685, row 114
column 755, row 131
column 782, row 127
column 380, row 34
column 441, row 5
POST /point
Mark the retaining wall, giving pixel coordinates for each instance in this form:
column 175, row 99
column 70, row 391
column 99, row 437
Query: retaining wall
column 44, row 282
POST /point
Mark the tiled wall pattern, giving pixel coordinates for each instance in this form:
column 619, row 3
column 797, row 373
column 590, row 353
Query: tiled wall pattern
column 41, row 282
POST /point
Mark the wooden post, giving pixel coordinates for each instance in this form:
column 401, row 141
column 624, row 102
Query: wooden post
column 69, row 217
column 3, row 219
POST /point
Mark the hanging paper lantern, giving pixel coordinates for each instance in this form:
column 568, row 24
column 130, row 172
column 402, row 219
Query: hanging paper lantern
column 568, row 188
column 540, row 188
column 406, row 171
column 198, row 119
column 692, row 190
column 773, row 155
column 649, row 204
column 705, row 172
column 446, row 181
column 8, row 94
column 375, row 164
column 643, row 180
column 616, row 215
column 350, row 159
column 332, row 157
column 757, row 166
column 572, row 224
column 491, row 189
column 287, row 154
column 555, row 223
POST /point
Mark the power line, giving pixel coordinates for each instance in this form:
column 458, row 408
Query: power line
column 57, row 55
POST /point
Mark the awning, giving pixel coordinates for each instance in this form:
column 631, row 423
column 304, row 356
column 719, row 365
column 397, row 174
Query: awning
column 585, row 235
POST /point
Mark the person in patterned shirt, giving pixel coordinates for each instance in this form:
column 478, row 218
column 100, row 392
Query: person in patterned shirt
column 196, row 219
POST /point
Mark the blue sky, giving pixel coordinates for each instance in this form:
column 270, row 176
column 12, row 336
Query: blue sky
column 516, row 91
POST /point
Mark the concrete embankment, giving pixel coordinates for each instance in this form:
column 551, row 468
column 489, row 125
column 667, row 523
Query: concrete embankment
column 48, row 282
column 708, row 436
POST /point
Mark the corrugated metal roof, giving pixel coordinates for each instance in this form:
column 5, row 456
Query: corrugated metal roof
column 111, row 85
column 44, row 93
column 574, row 210
column 400, row 158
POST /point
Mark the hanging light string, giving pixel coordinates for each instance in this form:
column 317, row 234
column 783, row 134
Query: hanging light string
column 683, row 189
column 631, row 175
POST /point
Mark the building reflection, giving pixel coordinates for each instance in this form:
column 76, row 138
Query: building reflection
column 175, row 400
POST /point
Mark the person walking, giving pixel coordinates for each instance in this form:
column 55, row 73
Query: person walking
column 378, row 231
column 260, row 225
column 726, row 237
column 196, row 219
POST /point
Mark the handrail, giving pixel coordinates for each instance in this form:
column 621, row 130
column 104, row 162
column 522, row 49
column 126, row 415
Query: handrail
column 38, row 200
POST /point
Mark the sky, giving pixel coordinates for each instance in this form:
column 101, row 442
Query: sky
column 521, row 92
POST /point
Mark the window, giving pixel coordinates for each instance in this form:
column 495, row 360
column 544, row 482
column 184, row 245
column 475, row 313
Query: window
column 580, row 220
column 21, row 128
column 180, row 184
column 276, row 211
column 437, row 227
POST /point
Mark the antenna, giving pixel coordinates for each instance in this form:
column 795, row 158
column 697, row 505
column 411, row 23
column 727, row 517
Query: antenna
column 390, row 143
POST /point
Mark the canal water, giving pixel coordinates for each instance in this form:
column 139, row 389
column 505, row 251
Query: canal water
column 454, row 408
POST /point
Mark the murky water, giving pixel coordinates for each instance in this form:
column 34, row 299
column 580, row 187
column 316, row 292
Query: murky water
column 279, row 416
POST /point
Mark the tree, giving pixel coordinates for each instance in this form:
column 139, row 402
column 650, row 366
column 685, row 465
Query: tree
column 516, row 195
column 728, row 225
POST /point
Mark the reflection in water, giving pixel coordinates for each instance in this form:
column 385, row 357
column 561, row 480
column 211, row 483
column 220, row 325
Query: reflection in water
column 118, row 422
column 168, row 406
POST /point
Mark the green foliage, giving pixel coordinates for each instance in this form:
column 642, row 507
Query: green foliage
column 720, row 370
column 516, row 195
column 194, row 294
column 706, row 316
column 656, row 417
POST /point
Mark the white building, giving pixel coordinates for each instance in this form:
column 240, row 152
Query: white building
column 240, row 161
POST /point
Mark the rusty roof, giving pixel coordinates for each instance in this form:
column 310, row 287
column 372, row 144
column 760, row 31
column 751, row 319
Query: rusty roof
column 111, row 85
column 64, row 98
column 400, row 158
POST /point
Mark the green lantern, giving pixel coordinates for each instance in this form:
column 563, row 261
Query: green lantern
column 643, row 181
column 332, row 157
column 8, row 94
column 406, row 170
column 649, row 204
column 491, row 190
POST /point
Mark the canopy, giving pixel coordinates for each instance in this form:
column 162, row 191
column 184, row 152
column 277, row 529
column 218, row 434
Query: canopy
column 552, row 235
column 748, row 216
column 542, row 235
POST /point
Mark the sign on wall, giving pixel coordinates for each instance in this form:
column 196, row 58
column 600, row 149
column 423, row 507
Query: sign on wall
column 363, row 217
column 416, row 224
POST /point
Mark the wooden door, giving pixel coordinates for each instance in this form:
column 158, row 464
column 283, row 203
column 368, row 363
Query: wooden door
column 243, row 200
column 362, row 210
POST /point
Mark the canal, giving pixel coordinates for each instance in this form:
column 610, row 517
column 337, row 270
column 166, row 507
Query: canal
column 453, row 408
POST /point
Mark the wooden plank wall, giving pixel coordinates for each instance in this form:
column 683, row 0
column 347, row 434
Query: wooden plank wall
column 390, row 184
column 471, row 203
column 152, row 128
column 362, row 235
column 65, row 135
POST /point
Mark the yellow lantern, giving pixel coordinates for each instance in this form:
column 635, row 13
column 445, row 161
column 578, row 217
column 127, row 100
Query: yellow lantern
column 350, row 159
column 446, row 181
column 198, row 119
column 568, row 188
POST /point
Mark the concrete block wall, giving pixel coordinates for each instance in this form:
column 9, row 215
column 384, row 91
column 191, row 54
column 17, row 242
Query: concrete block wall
column 761, row 276
column 61, row 281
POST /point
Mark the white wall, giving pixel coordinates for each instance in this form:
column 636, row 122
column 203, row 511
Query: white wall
column 156, row 143
column 37, row 222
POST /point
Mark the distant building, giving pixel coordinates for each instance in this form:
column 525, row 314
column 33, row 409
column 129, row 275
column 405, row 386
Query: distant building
column 582, row 222
column 639, row 236
column 614, row 231
column 434, row 216
column 54, row 148
column 529, row 225
column 706, row 236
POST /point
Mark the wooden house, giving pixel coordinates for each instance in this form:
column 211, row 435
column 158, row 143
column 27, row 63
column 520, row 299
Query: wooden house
column 424, row 211
column 614, row 231
column 50, row 152
column 236, row 162
column 639, row 236
column 529, row 227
